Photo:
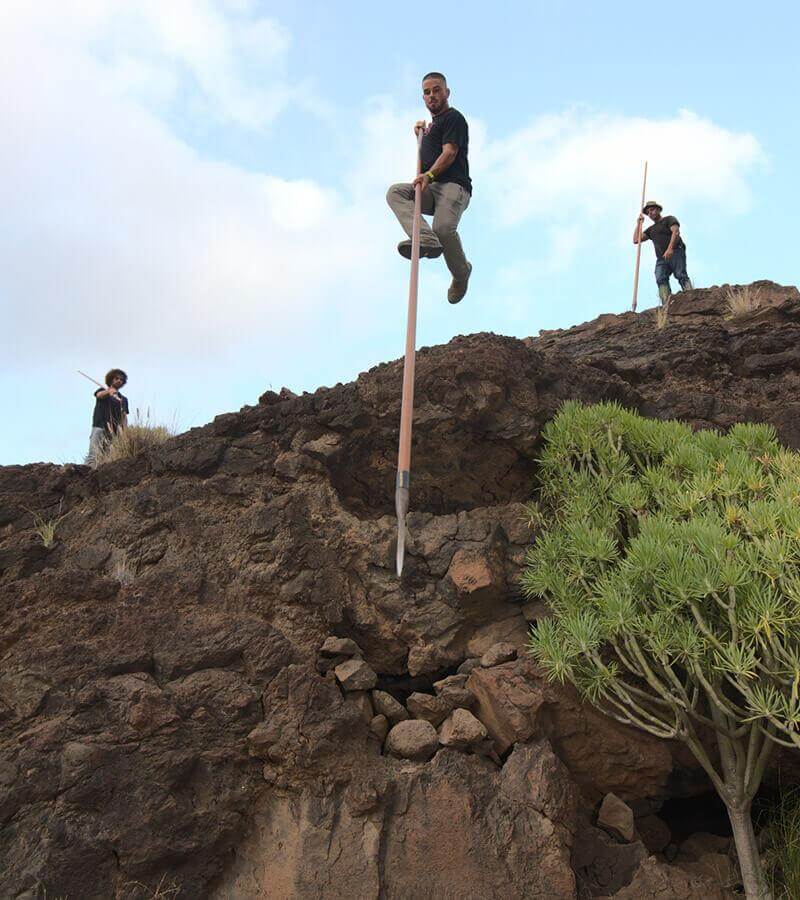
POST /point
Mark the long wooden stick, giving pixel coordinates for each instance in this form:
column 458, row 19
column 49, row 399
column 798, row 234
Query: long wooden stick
column 639, row 243
column 103, row 386
column 401, row 496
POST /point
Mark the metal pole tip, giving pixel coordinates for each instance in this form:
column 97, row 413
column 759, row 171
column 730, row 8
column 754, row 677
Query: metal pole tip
column 401, row 506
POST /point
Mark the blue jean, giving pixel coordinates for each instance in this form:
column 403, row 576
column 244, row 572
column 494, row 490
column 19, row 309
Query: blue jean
column 675, row 266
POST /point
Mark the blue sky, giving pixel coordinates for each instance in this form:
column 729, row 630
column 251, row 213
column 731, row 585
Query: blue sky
column 194, row 190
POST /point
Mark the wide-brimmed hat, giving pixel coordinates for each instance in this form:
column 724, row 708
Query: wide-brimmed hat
column 650, row 203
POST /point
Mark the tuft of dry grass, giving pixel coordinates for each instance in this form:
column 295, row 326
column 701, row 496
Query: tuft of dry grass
column 662, row 317
column 124, row 570
column 161, row 891
column 46, row 528
column 141, row 435
column 742, row 300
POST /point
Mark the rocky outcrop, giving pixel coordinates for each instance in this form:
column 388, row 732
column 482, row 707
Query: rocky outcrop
column 194, row 675
column 398, row 834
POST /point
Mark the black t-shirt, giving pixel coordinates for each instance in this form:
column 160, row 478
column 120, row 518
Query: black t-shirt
column 449, row 127
column 660, row 234
column 108, row 411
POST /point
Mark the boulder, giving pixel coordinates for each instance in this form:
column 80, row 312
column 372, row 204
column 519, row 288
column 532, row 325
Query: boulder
column 355, row 675
column 477, row 577
column 506, row 704
column 616, row 817
column 415, row 739
column 468, row 665
column 362, row 703
column 511, row 630
column 499, row 653
column 336, row 646
column 454, row 692
column 386, row 705
column 462, row 731
column 656, row 880
column 602, row 864
column 379, row 726
column 426, row 706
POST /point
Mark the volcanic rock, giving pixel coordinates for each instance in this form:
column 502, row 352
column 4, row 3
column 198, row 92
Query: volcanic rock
column 355, row 675
column 454, row 692
column 379, row 726
column 462, row 731
column 167, row 717
column 415, row 739
column 386, row 705
column 425, row 706
column 334, row 646
column 616, row 817
column 499, row 653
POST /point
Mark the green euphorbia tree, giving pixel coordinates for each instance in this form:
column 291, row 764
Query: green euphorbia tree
column 671, row 561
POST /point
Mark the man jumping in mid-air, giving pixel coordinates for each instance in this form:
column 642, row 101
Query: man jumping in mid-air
column 665, row 233
column 446, row 186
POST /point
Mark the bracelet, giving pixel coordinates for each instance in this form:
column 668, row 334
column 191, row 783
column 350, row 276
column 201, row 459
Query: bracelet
column 431, row 175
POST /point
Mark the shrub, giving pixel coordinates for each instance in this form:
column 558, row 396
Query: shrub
column 138, row 437
column 742, row 300
column 46, row 528
column 671, row 560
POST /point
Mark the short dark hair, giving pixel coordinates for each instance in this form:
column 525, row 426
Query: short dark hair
column 436, row 75
column 115, row 373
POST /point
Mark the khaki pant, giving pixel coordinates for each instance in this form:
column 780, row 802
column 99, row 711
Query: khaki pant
column 98, row 441
column 445, row 202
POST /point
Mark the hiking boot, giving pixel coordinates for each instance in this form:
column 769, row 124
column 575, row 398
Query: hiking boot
column 426, row 251
column 457, row 289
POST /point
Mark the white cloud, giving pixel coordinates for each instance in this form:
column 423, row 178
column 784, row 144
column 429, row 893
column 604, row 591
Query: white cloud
column 218, row 58
column 589, row 165
column 117, row 230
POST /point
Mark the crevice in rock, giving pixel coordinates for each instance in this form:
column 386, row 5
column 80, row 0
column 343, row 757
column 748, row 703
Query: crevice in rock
column 686, row 815
column 402, row 686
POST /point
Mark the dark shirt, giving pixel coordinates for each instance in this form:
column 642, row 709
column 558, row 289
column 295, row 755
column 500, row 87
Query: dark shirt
column 660, row 234
column 108, row 411
column 449, row 127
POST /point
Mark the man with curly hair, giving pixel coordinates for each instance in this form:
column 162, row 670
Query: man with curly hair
column 110, row 414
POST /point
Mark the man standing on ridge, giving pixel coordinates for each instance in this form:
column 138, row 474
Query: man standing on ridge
column 446, row 186
column 110, row 414
column 665, row 233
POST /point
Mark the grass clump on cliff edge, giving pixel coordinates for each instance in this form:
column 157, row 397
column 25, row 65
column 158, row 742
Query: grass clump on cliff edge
column 671, row 561
column 139, row 436
column 742, row 300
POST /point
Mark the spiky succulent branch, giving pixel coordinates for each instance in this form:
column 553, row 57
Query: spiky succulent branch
column 671, row 561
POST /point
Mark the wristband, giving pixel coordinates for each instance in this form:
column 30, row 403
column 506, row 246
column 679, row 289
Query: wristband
column 430, row 175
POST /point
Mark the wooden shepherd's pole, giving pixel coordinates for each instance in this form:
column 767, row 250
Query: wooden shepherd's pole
column 407, row 408
column 639, row 244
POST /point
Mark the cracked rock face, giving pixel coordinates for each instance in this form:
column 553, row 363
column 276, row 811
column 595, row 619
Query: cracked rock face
column 167, row 710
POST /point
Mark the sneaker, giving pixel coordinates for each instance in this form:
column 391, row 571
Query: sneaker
column 457, row 289
column 426, row 251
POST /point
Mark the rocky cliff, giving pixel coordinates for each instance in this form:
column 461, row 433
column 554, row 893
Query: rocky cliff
column 197, row 677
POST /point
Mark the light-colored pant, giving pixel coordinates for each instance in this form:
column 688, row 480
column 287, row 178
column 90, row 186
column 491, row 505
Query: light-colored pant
column 97, row 440
column 445, row 202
